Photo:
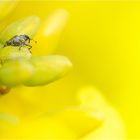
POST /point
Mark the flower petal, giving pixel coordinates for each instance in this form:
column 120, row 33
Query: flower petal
column 50, row 31
column 112, row 127
column 6, row 7
column 80, row 120
column 41, row 128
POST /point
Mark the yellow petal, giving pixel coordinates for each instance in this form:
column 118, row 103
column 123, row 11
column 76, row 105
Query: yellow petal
column 91, row 97
column 80, row 120
column 41, row 128
column 49, row 33
column 6, row 7
column 6, row 121
column 112, row 127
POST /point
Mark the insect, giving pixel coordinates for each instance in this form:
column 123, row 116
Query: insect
column 19, row 40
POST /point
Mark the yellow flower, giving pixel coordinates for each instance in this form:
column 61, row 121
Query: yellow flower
column 6, row 8
column 58, row 110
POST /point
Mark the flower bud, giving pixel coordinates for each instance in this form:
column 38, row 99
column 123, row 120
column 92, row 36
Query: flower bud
column 28, row 25
column 13, row 53
column 15, row 72
column 48, row 69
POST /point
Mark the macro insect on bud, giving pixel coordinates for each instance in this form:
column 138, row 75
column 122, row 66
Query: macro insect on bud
column 19, row 40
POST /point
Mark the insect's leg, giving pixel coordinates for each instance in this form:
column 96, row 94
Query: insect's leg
column 33, row 40
column 20, row 47
column 29, row 40
column 5, row 45
column 28, row 46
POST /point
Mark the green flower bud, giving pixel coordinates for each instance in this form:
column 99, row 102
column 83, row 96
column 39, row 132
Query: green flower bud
column 28, row 25
column 15, row 72
column 13, row 53
column 1, row 45
column 48, row 69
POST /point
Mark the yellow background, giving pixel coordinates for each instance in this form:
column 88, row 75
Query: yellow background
column 102, row 39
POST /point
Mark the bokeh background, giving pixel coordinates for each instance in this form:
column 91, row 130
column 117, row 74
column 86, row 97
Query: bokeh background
column 102, row 39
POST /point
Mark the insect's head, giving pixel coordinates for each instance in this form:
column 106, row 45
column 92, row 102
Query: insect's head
column 26, row 37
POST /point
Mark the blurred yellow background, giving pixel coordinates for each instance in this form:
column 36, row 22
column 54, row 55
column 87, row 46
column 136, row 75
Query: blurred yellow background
column 102, row 39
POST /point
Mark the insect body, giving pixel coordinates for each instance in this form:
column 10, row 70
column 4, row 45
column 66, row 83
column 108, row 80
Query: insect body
column 19, row 40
